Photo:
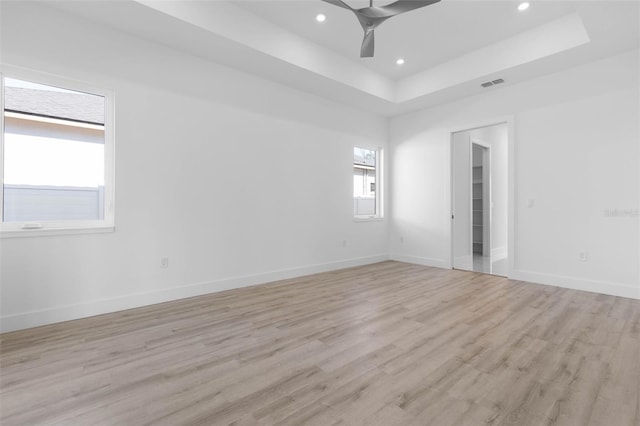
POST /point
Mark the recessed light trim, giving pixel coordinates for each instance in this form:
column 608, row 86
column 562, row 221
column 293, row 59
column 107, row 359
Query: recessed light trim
column 399, row 61
column 523, row 6
column 321, row 17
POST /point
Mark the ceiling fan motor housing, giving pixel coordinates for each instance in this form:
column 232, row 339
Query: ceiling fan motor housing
column 372, row 16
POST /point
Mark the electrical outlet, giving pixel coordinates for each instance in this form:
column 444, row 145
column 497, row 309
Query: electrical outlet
column 401, row 240
column 582, row 256
column 344, row 243
column 164, row 262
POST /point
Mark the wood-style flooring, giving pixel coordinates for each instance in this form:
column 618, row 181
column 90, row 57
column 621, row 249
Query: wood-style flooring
column 384, row 344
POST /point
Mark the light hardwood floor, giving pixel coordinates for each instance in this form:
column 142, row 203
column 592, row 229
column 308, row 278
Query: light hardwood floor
column 385, row 344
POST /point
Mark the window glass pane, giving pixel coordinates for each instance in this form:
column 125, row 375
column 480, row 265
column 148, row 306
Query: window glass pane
column 364, row 182
column 53, row 153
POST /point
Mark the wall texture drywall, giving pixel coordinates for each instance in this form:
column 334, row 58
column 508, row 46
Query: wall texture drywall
column 575, row 161
column 238, row 180
column 235, row 179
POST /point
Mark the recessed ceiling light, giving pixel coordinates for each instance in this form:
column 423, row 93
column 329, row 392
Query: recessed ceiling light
column 320, row 17
column 400, row 61
column 523, row 6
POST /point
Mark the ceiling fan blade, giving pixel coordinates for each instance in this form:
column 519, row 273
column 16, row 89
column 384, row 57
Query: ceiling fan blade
column 368, row 44
column 395, row 8
column 372, row 16
column 338, row 3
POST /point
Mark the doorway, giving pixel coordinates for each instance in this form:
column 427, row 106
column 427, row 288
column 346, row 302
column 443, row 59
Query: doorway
column 479, row 176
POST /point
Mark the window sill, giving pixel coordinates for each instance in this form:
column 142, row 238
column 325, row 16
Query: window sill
column 368, row 218
column 46, row 232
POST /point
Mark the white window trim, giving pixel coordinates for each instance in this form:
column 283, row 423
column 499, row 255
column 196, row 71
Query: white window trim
column 379, row 216
column 72, row 227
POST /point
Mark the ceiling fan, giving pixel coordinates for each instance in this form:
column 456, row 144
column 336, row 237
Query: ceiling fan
column 372, row 16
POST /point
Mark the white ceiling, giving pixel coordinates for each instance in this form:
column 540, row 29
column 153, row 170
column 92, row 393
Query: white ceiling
column 424, row 37
column 449, row 47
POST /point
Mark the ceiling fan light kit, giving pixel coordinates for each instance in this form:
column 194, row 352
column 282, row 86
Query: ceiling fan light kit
column 371, row 17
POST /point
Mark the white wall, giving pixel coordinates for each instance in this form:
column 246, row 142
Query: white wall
column 183, row 122
column 576, row 155
column 236, row 179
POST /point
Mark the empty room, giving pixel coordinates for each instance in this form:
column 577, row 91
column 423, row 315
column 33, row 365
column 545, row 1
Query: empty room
column 320, row 212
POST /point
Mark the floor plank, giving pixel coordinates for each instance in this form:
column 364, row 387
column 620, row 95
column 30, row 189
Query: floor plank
column 382, row 344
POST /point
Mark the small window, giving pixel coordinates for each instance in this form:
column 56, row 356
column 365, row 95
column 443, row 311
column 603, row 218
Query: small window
column 56, row 158
column 366, row 178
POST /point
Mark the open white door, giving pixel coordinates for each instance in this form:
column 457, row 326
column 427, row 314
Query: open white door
column 461, row 201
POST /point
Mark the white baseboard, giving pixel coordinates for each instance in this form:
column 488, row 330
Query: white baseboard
column 102, row 306
column 96, row 307
column 602, row 287
column 424, row 261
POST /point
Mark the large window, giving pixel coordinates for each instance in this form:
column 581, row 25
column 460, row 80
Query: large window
column 366, row 183
column 57, row 157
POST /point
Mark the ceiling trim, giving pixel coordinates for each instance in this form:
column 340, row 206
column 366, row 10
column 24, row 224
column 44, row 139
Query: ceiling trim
column 549, row 39
column 229, row 21
column 228, row 34
column 226, row 20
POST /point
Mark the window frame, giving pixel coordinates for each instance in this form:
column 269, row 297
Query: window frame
column 62, row 227
column 379, row 215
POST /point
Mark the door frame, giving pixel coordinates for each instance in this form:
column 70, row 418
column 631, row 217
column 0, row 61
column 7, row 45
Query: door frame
column 509, row 120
